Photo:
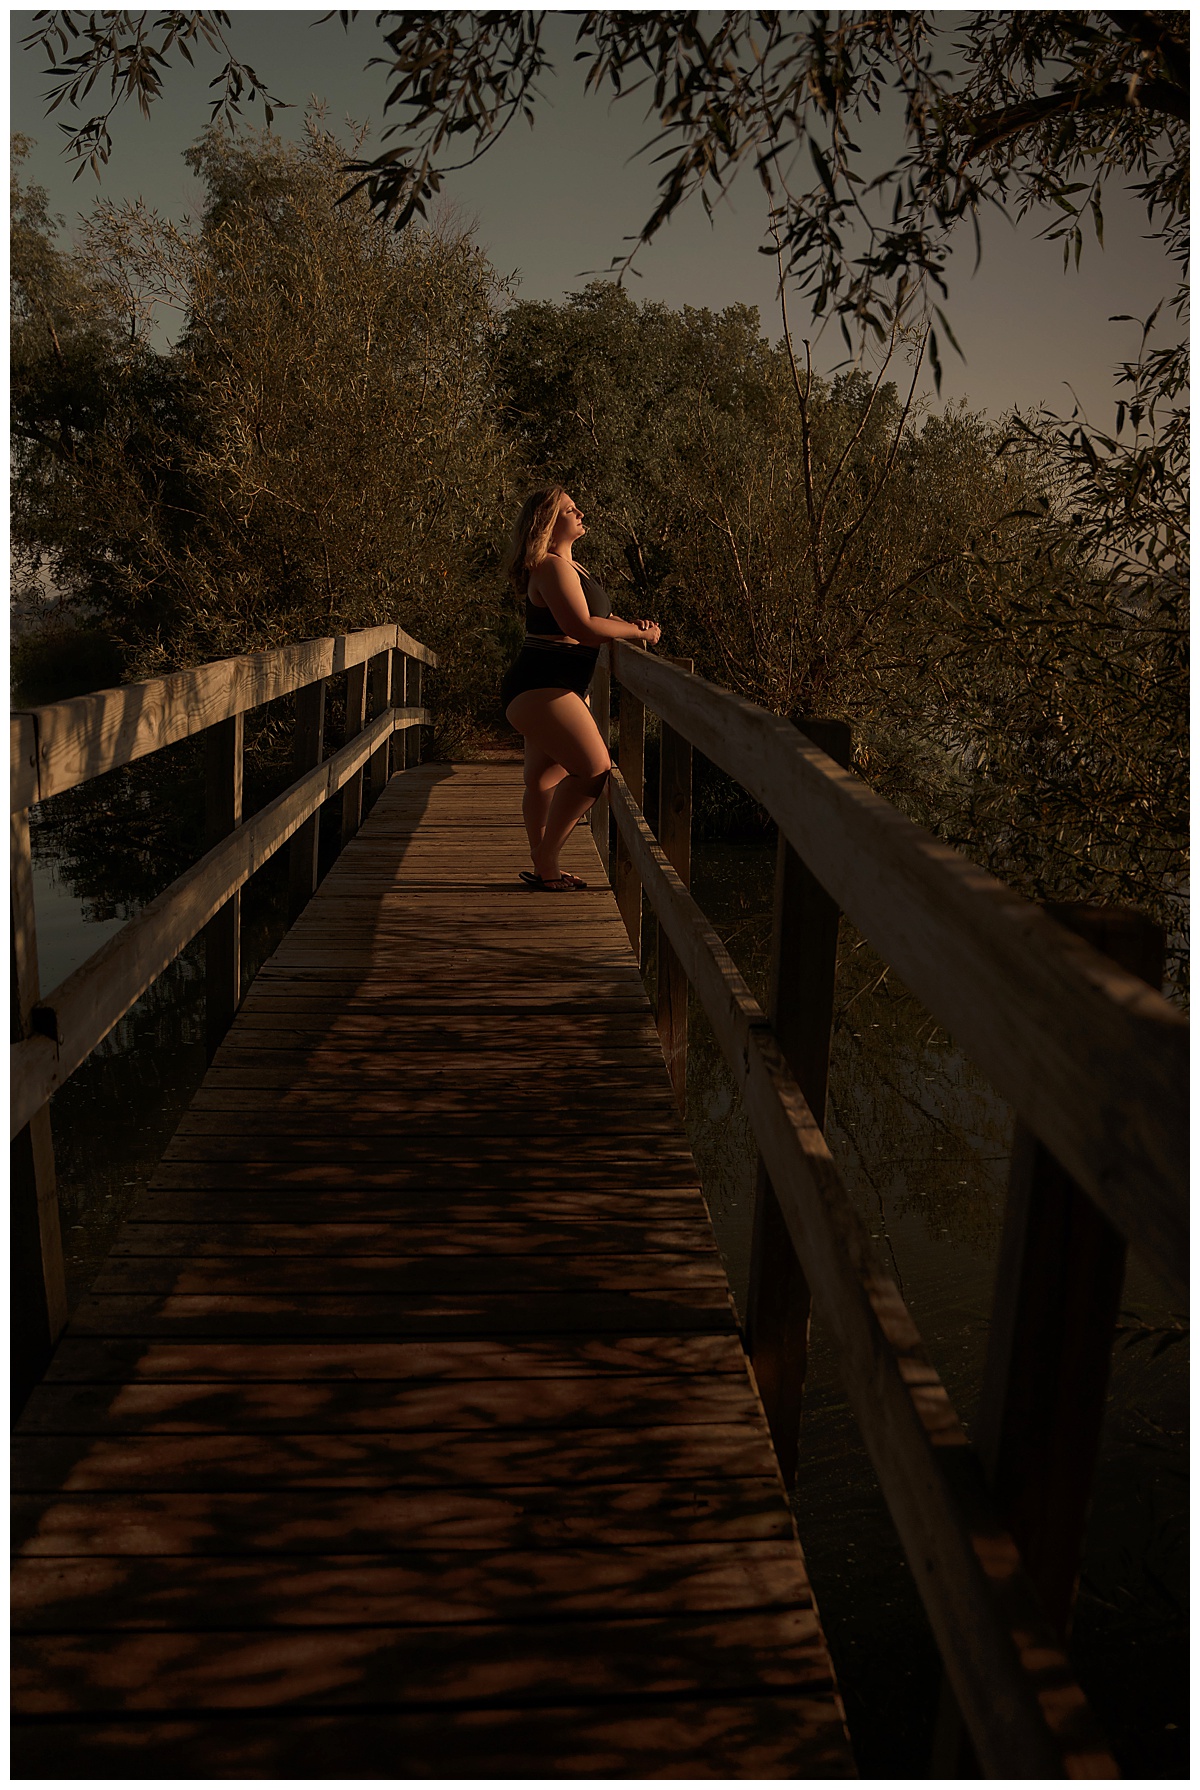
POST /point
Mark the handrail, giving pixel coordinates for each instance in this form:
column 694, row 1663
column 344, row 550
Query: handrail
column 72, row 1020
column 55, row 748
column 1006, row 1664
column 1091, row 1058
column 60, row 746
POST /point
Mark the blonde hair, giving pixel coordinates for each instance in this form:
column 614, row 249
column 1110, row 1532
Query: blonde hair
column 531, row 534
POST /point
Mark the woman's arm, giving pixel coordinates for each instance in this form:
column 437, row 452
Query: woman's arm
column 559, row 587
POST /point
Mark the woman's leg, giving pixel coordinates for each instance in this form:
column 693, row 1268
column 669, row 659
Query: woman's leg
column 559, row 724
column 543, row 774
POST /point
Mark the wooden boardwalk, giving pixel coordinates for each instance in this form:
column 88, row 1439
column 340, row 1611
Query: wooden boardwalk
column 407, row 1431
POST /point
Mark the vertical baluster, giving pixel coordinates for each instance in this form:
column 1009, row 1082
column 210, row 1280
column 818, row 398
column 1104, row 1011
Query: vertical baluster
column 39, row 1290
column 631, row 759
column 379, row 680
column 416, row 691
column 401, row 675
column 675, row 837
column 800, row 1008
column 601, row 700
column 308, row 752
column 356, row 717
column 1059, row 1277
column 223, row 765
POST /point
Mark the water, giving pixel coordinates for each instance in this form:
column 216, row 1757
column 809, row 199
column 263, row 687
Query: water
column 922, row 1144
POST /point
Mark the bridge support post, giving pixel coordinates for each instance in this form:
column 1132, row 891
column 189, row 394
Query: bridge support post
column 1059, row 1278
column 416, row 696
column 309, row 750
column 675, row 837
column 631, row 757
column 39, row 1289
column 800, row 1008
column 402, row 683
column 379, row 683
column 224, row 746
column 356, row 720
column 601, row 700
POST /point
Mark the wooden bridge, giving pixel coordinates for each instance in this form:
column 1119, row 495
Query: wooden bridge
column 408, row 1429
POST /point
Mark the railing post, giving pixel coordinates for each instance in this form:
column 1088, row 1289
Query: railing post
column 416, row 697
column 675, row 837
column 223, row 761
column 1059, row 1277
column 379, row 682
column 601, row 700
column 631, row 758
column 39, row 1289
column 800, row 1009
column 356, row 720
column 309, row 750
column 401, row 679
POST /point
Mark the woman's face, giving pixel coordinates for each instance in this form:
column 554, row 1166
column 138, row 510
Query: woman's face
column 568, row 524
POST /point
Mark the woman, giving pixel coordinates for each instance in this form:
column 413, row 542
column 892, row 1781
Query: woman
column 568, row 617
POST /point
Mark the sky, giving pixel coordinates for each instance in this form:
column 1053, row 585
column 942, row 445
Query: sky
column 554, row 206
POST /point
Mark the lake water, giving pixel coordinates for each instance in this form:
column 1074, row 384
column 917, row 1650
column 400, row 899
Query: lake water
column 922, row 1144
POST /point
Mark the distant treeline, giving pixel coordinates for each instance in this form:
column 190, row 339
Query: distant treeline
column 348, row 418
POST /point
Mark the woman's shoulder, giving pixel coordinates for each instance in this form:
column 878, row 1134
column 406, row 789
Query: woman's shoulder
column 555, row 573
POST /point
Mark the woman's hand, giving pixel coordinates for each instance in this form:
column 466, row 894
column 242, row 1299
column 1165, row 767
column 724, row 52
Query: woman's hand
column 650, row 631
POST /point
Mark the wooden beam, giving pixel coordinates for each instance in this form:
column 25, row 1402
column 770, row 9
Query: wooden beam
column 23, row 761
column 631, row 756
column 89, row 735
column 1094, row 1061
column 224, row 752
column 379, row 696
column 1026, row 1716
column 356, row 716
column 38, row 1299
column 804, row 941
column 71, row 1021
column 308, row 751
column 675, row 837
column 601, row 704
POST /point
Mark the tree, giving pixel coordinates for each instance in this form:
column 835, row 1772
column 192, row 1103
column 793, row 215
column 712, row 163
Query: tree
column 317, row 452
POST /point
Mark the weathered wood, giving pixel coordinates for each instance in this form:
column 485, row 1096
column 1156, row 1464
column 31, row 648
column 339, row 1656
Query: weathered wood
column 356, row 718
column 307, row 753
column 89, row 735
column 223, row 759
column 401, row 744
column 804, row 938
column 631, row 756
column 38, row 1283
column 379, row 699
column 675, row 837
column 416, row 699
column 600, row 699
column 1009, row 1672
column 419, row 1420
column 74, row 1017
column 23, row 762
column 1106, row 1088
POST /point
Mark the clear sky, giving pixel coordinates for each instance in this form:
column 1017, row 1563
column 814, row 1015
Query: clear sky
column 556, row 204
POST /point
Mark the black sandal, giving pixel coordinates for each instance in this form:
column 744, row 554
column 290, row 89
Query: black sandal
column 555, row 885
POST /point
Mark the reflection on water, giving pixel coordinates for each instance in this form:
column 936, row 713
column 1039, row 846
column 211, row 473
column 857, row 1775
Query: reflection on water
column 922, row 1144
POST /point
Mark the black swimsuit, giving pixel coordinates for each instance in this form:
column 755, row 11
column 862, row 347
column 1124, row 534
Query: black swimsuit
column 544, row 664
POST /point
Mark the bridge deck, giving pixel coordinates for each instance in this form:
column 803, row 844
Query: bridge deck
column 406, row 1431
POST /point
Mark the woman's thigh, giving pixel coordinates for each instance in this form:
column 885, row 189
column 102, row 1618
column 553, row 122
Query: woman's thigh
column 559, row 724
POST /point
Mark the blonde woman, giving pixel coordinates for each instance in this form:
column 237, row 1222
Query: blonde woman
column 568, row 617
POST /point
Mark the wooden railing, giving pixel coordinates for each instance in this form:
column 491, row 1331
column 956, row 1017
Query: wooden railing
column 56, row 748
column 1094, row 1062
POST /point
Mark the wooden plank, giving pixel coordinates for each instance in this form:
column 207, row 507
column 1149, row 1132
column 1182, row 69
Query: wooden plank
column 88, row 735
column 675, row 837
column 308, row 749
column 22, row 762
column 83, row 1009
column 600, row 700
column 1105, row 1089
column 631, row 756
column 379, row 698
column 804, row 942
column 994, row 1639
column 758, row 1737
column 224, row 747
column 356, row 720
column 38, row 1277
